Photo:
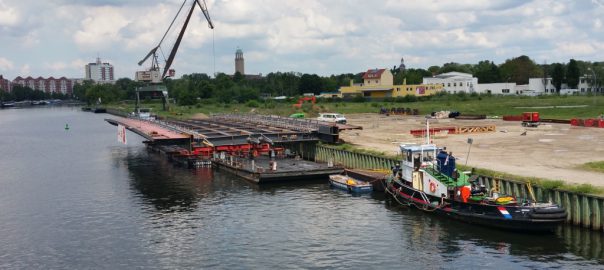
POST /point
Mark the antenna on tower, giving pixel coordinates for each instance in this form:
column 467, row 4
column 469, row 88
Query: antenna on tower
column 544, row 76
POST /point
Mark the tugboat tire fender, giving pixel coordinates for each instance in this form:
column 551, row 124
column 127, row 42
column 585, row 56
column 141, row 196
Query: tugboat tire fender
column 548, row 210
column 548, row 216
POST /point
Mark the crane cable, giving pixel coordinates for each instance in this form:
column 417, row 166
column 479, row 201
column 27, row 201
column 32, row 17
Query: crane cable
column 172, row 23
column 213, row 54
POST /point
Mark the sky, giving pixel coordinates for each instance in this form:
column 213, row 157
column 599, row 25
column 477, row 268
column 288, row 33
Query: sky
column 324, row 37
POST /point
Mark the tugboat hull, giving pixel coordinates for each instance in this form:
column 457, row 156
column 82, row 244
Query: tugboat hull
column 522, row 218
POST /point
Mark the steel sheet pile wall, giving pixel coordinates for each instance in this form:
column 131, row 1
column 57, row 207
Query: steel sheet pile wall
column 351, row 159
column 584, row 210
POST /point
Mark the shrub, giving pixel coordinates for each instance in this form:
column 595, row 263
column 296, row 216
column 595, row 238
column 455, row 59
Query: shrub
column 252, row 103
column 358, row 99
column 410, row 98
column 551, row 184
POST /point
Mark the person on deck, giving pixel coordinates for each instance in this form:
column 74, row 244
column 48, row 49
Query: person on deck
column 465, row 193
column 417, row 162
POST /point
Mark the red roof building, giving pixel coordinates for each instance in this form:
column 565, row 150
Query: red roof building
column 5, row 85
column 51, row 85
column 378, row 77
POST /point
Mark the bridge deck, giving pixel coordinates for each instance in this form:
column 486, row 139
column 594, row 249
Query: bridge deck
column 149, row 130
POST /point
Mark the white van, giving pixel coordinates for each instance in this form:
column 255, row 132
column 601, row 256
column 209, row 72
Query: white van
column 145, row 114
column 332, row 117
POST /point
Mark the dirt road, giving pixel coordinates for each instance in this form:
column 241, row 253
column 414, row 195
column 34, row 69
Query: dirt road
column 550, row 151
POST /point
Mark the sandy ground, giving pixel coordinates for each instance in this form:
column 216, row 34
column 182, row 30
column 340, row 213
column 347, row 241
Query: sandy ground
column 551, row 151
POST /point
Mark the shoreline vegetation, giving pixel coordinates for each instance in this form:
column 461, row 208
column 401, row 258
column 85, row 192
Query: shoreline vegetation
column 551, row 106
column 556, row 107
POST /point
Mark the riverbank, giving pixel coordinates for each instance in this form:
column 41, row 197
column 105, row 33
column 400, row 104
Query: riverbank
column 552, row 151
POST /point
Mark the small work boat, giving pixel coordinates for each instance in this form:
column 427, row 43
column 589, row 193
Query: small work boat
column 348, row 183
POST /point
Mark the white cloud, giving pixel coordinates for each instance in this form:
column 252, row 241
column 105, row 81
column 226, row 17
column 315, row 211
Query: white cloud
column 56, row 66
column 25, row 70
column 100, row 29
column 579, row 49
column 318, row 36
column 597, row 24
column 9, row 16
column 5, row 64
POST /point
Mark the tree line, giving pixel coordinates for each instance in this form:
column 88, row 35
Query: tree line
column 193, row 88
column 520, row 69
column 21, row 93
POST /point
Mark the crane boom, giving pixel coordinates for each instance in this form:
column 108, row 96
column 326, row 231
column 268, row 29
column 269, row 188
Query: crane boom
column 152, row 52
column 177, row 43
column 204, row 9
column 148, row 75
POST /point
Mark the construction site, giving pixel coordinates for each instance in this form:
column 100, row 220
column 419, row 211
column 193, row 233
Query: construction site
column 548, row 150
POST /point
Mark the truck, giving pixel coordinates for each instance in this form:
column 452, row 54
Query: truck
column 530, row 119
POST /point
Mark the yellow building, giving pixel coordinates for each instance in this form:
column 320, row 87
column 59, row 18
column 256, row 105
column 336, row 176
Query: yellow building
column 378, row 83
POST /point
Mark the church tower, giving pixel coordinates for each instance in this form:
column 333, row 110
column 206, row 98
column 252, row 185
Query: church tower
column 401, row 67
column 239, row 65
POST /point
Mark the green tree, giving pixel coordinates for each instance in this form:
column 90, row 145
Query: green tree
column 455, row 67
column 310, row 84
column 106, row 93
column 572, row 74
column 127, row 88
column 519, row 70
column 434, row 70
column 558, row 76
column 486, row 72
column 238, row 77
column 416, row 76
column 79, row 90
column 399, row 78
column 5, row 96
column 246, row 93
column 22, row 93
column 330, row 84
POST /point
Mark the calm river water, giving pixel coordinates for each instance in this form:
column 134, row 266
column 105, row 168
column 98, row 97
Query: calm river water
column 77, row 199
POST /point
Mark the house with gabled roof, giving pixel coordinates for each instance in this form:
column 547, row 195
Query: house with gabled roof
column 379, row 83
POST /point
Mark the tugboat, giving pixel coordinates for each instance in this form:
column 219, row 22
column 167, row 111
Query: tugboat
column 429, row 181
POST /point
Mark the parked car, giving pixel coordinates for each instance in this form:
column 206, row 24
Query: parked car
column 332, row 117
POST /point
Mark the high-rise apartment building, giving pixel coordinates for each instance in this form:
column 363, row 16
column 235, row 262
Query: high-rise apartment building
column 100, row 72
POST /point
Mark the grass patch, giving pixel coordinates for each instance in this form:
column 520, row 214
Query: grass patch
column 596, row 166
column 484, row 104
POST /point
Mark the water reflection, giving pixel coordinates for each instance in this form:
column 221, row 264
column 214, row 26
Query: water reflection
column 456, row 240
column 189, row 205
column 166, row 187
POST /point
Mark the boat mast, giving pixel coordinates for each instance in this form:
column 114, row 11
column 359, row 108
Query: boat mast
column 427, row 131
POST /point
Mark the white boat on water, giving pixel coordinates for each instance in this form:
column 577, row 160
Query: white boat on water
column 348, row 183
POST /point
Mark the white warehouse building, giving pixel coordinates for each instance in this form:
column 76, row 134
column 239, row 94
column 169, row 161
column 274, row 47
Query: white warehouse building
column 454, row 82
column 496, row 88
